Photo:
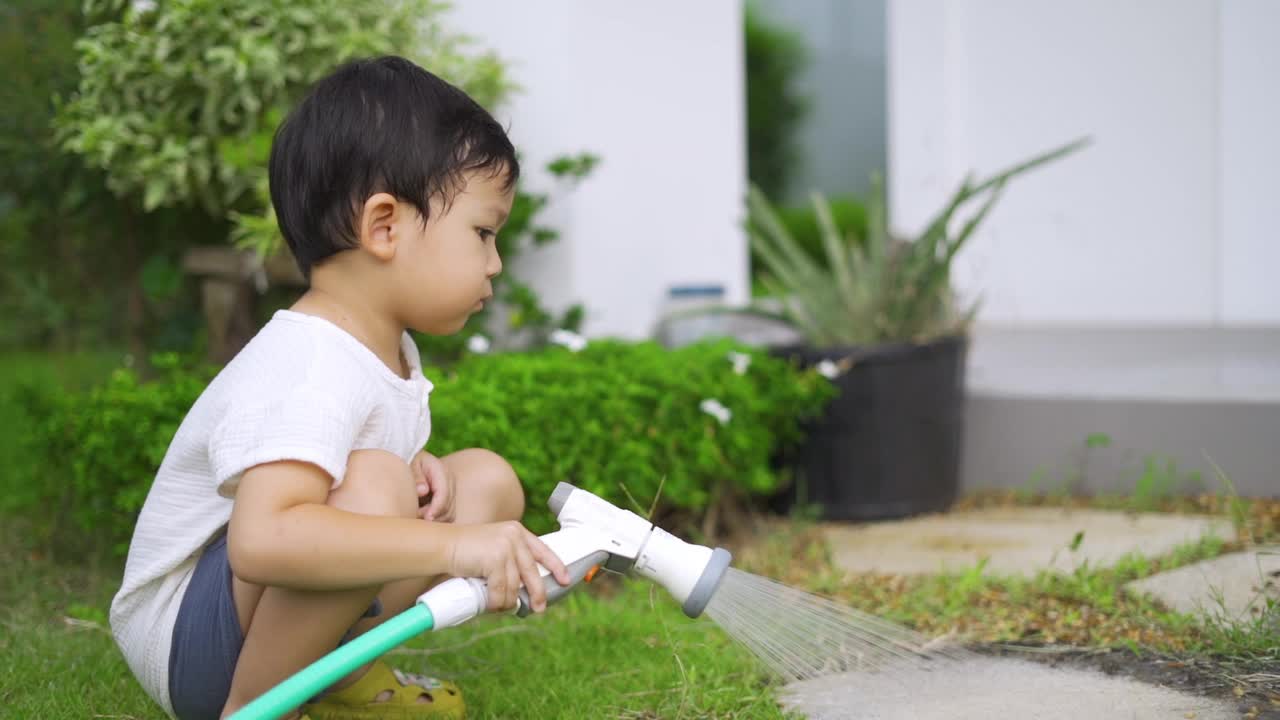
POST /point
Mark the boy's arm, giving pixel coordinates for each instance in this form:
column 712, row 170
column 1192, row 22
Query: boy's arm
column 282, row 534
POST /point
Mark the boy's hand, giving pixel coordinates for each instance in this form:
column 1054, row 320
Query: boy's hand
column 505, row 554
column 433, row 478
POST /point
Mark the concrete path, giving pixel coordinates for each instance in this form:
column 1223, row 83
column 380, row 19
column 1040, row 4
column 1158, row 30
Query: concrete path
column 1015, row 540
column 988, row 688
column 1023, row 541
column 1230, row 586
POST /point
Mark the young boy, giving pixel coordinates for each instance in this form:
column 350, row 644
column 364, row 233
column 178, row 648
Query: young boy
column 295, row 507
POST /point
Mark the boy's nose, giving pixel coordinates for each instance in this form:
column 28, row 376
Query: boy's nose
column 494, row 267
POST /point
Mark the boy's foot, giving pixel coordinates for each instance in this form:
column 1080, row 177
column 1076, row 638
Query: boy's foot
column 383, row 692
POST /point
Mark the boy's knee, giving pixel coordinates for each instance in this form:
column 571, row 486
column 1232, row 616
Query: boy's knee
column 507, row 489
column 377, row 483
column 497, row 483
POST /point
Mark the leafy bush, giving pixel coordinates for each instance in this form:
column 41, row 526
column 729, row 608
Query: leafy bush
column 178, row 100
column 622, row 413
column 91, row 456
column 611, row 414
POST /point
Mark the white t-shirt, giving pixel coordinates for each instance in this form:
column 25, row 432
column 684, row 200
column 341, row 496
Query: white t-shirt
column 301, row 389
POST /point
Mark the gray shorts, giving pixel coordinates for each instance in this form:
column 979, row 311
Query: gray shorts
column 207, row 638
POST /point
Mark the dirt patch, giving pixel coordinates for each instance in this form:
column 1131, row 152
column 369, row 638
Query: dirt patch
column 963, row 544
column 1254, row 688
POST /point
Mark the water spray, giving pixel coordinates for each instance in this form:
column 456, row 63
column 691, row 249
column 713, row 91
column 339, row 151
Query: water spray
column 594, row 534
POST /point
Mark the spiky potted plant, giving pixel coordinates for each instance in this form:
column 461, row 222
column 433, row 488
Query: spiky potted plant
column 879, row 315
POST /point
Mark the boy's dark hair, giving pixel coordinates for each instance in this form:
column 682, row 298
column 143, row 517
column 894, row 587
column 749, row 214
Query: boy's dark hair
column 375, row 125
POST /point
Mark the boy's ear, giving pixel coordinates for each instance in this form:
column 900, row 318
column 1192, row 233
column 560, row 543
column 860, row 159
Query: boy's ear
column 378, row 218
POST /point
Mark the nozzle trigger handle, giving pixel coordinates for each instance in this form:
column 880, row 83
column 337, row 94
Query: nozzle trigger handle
column 578, row 569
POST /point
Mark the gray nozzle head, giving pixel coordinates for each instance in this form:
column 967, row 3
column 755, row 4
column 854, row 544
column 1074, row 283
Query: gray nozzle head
column 707, row 583
column 559, row 496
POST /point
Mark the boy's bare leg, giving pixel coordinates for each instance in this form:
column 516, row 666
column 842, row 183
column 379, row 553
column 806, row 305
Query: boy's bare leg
column 487, row 491
column 295, row 628
column 286, row 630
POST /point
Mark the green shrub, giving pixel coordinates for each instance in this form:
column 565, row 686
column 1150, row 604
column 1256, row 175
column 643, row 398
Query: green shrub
column 624, row 413
column 611, row 414
column 90, row 456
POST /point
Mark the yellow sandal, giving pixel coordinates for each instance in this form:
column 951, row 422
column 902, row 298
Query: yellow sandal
column 384, row 692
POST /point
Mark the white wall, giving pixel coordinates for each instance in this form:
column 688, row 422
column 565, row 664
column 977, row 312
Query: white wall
column 1249, row 163
column 1168, row 218
column 655, row 89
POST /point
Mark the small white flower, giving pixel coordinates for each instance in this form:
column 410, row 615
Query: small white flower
column 478, row 344
column 713, row 408
column 568, row 339
column 143, row 6
column 828, row 369
column 741, row 361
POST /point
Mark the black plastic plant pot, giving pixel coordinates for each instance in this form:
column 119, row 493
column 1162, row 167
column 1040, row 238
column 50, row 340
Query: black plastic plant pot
column 888, row 446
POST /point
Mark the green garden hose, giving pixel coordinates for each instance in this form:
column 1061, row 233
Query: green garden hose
column 290, row 694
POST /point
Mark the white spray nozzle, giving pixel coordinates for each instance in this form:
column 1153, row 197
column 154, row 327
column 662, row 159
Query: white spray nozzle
column 595, row 532
column 691, row 573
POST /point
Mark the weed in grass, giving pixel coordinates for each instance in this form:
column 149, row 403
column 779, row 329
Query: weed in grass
column 1155, row 482
column 1254, row 636
column 1043, row 485
column 1237, row 508
column 1034, row 486
column 1160, row 479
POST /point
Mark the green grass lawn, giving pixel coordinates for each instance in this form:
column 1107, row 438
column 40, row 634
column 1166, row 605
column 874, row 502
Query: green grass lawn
column 612, row 649
column 620, row 648
column 631, row 654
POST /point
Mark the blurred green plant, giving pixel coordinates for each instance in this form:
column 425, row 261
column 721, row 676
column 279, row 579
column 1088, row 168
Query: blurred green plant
column 775, row 57
column 1160, row 479
column 614, row 413
column 848, row 214
column 881, row 289
column 178, row 100
column 60, row 256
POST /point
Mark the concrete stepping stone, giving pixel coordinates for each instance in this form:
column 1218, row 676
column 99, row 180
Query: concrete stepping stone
column 1231, row 586
column 985, row 688
column 1015, row 540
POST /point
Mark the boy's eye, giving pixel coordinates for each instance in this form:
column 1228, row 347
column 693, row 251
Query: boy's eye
column 485, row 233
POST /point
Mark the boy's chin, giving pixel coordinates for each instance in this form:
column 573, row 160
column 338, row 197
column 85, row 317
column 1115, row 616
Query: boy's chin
column 442, row 329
